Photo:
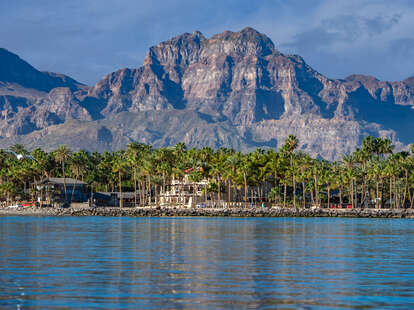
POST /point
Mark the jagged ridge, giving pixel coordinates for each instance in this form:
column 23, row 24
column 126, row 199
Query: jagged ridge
column 238, row 80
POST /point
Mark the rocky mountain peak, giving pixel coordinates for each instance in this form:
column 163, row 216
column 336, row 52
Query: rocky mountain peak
column 361, row 77
column 248, row 41
column 180, row 50
column 15, row 70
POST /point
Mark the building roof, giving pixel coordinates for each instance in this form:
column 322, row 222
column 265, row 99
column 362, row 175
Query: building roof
column 61, row 181
column 125, row 195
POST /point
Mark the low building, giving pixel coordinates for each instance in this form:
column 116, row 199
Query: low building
column 53, row 190
column 112, row 199
column 183, row 193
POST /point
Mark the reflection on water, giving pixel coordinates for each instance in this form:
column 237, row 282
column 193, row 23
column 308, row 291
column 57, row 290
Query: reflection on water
column 96, row 262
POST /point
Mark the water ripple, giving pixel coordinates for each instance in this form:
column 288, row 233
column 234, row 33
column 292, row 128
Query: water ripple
column 205, row 263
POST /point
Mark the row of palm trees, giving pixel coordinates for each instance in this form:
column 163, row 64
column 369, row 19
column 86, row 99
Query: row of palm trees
column 370, row 176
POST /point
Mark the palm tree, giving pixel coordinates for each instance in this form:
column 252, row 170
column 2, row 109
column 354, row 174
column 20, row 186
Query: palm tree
column 8, row 190
column 104, row 171
column 119, row 166
column 328, row 178
column 303, row 162
column 232, row 163
column 205, row 156
column 291, row 143
column 79, row 163
column 135, row 153
column 388, row 172
column 349, row 165
column 165, row 159
column 375, row 172
column 218, row 170
column 245, row 170
column 3, row 158
column 148, row 170
column 405, row 163
column 62, row 154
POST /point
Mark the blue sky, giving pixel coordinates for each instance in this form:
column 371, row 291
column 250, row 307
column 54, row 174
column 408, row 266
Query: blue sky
column 87, row 39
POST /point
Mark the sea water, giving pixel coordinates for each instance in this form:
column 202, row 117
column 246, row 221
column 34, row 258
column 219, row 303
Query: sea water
column 206, row 263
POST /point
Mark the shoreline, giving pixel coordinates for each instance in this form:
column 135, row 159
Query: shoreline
column 208, row 212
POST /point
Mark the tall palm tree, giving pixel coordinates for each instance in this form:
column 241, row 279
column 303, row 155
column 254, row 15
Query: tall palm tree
column 303, row 162
column 148, row 171
column 291, row 143
column 135, row 152
column 232, row 163
column 119, row 166
column 205, row 156
column 78, row 163
column 218, row 170
column 62, row 154
column 245, row 169
column 349, row 165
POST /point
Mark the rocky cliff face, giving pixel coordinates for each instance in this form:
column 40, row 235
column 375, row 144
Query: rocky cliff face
column 236, row 87
column 32, row 100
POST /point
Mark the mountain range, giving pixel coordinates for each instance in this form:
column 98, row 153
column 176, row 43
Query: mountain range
column 234, row 89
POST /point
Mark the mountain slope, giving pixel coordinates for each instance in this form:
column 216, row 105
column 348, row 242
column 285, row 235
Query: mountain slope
column 32, row 100
column 233, row 89
column 14, row 70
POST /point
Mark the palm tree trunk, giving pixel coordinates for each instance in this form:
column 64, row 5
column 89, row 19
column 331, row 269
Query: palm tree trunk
column 139, row 192
column 219, row 191
column 284, row 195
column 409, row 197
column 245, row 187
column 352, row 192
column 74, row 188
column 135, row 186
column 329, row 197
column 312, row 197
column 294, row 191
column 228, row 192
column 396, row 203
column 120, row 189
column 149, row 190
column 64, row 179
column 163, row 181
column 405, row 188
column 205, row 194
column 303, row 195
column 363, row 191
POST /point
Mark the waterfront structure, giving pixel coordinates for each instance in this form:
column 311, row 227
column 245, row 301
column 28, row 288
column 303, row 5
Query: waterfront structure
column 112, row 199
column 183, row 192
column 62, row 190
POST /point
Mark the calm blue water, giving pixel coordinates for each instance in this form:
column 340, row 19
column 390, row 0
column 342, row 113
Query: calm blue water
column 206, row 263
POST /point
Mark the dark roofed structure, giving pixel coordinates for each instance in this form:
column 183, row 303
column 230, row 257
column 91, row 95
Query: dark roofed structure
column 62, row 181
column 76, row 190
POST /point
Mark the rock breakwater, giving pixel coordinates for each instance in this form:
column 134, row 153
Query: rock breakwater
column 206, row 212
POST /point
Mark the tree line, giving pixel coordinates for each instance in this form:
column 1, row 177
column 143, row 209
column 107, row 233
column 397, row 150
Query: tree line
column 373, row 175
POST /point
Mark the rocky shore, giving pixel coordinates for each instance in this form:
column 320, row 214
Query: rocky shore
column 230, row 212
